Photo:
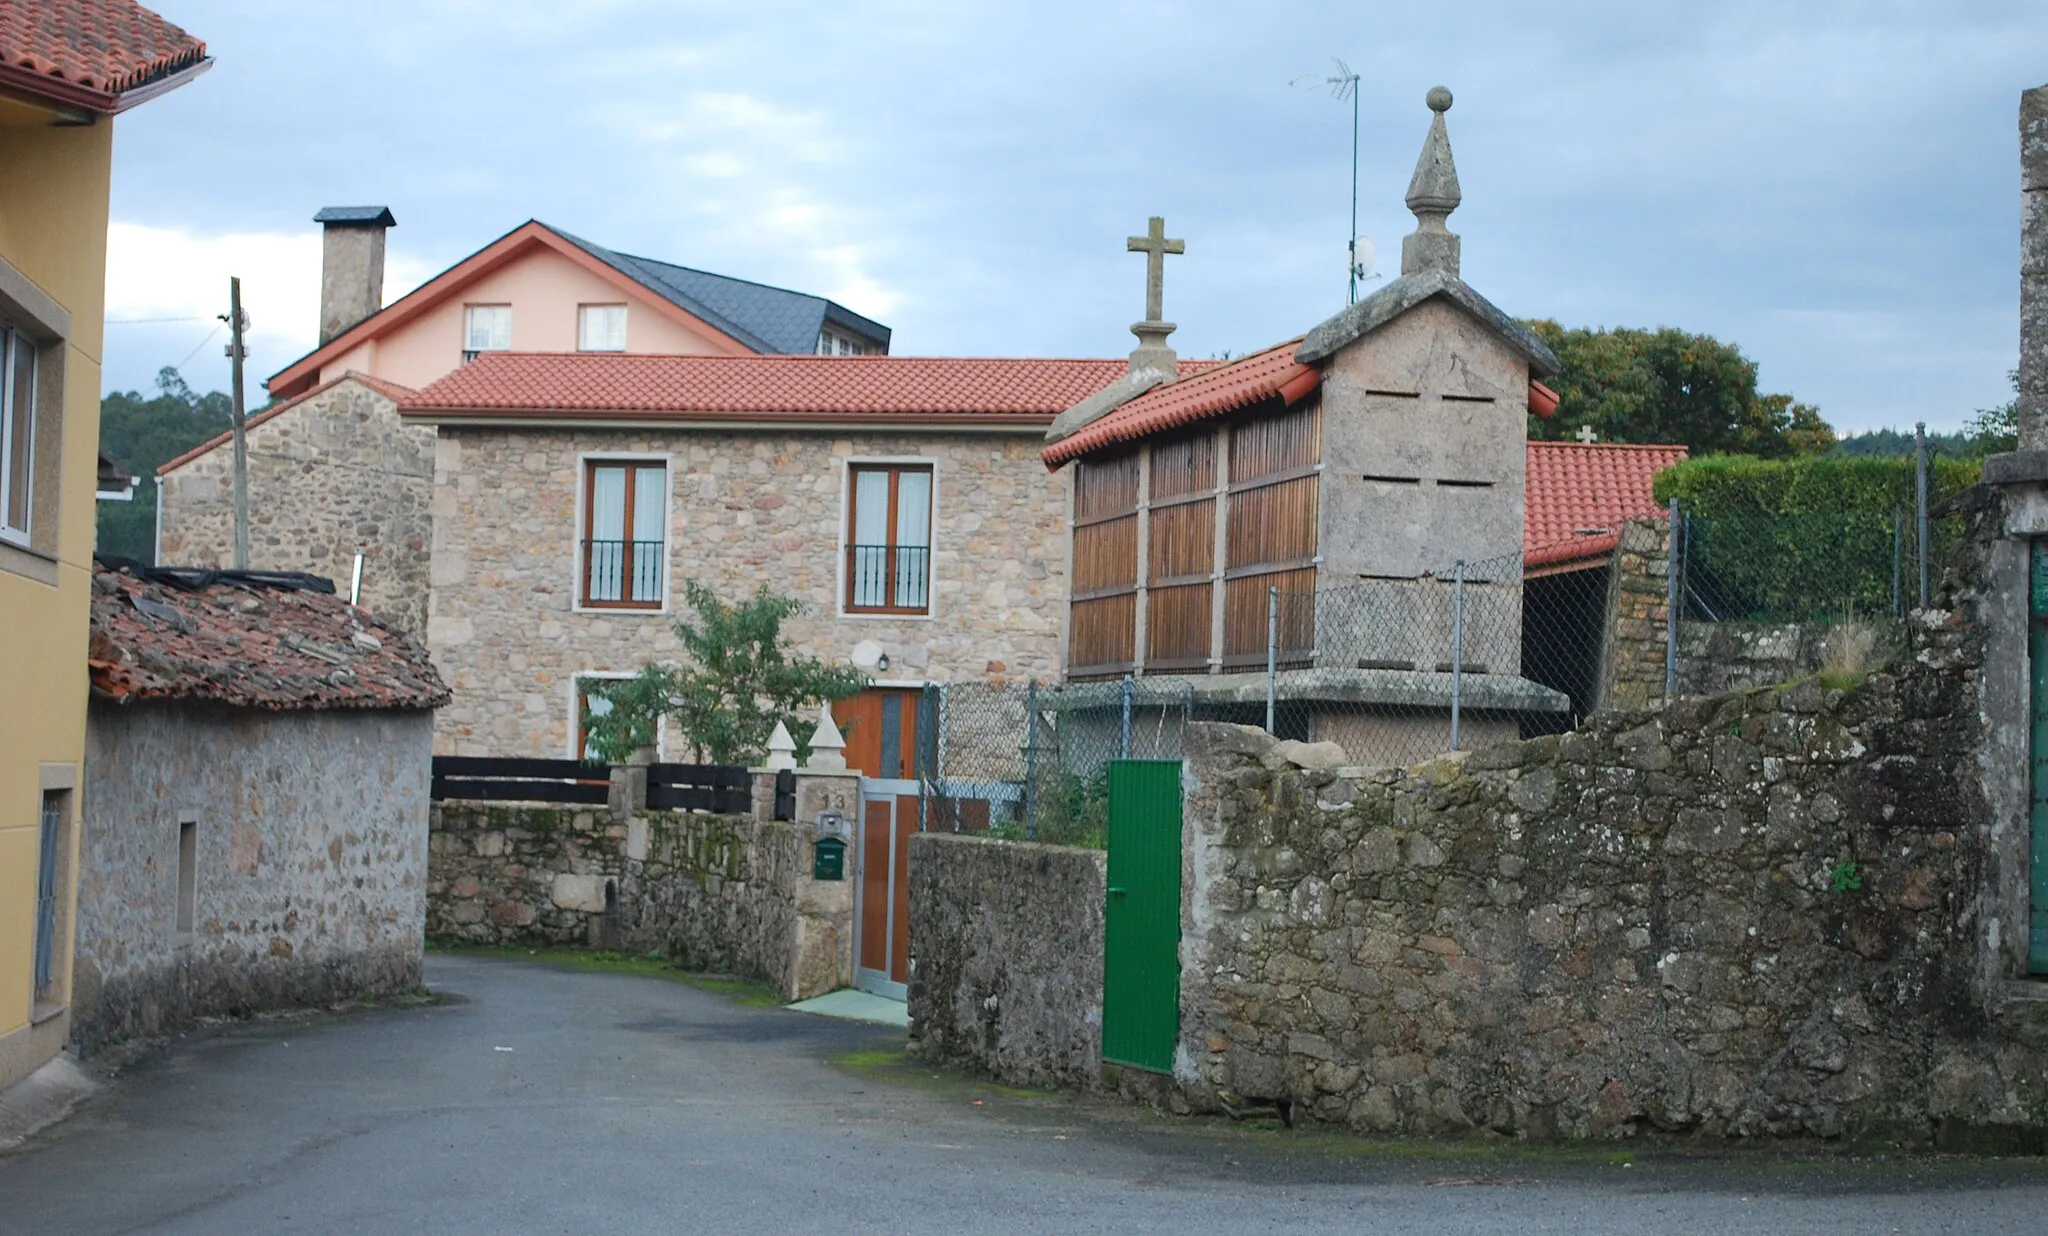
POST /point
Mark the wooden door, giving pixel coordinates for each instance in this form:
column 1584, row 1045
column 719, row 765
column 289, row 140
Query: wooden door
column 888, row 817
column 880, row 728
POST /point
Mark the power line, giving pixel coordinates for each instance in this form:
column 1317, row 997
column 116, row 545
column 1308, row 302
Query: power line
column 151, row 321
column 195, row 351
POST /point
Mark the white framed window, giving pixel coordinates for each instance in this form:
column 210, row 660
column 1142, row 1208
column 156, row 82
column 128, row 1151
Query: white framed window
column 624, row 541
column 889, row 538
column 17, row 432
column 486, row 328
column 600, row 328
column 832, row 343
column 588, row 703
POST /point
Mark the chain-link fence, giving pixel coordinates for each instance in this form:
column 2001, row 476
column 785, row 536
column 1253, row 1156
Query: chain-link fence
column 1808, row 568
column 1393, row 671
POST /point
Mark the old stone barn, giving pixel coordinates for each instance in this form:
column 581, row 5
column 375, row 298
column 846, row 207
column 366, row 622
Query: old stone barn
column 257, row 767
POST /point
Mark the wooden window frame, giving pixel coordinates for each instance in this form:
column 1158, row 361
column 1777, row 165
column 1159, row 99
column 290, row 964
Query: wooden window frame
column 895, row 471
column 631, row 464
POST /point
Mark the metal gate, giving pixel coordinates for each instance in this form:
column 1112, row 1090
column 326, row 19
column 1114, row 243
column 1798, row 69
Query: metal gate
column 46, row 893
column 2037, row 935
column 1141, row 919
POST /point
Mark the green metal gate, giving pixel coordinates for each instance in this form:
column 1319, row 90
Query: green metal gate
column 1141, row 921
column 2037, row 936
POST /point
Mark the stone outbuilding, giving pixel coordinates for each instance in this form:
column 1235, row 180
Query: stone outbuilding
column 258, row 756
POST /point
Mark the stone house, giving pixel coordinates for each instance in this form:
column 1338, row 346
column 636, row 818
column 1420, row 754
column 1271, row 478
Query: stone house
column 901, row 499
column 256, row 799
column 334, row 473
column 1339, row 486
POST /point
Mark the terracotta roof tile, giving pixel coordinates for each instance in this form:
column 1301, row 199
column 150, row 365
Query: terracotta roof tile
column 1580, row 492
column 240, row 642
column 390, row 390
column 108, row 46
column 1213, row 392
column 556, row 385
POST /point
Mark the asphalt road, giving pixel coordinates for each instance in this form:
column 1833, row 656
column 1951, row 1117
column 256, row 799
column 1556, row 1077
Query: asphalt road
column 547, row 1100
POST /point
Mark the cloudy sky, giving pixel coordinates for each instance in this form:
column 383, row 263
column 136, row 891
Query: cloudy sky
column 1832, row 186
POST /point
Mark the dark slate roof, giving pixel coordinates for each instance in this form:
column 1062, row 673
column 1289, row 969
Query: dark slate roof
column 253, row 639
column 767, row 319
column 380, row 215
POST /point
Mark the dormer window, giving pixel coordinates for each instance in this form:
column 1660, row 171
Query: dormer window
column 600, row 328
column 486, row 328
column 832, row 343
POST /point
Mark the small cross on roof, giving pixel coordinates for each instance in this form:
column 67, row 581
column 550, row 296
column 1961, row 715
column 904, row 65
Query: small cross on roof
column 1587, row 436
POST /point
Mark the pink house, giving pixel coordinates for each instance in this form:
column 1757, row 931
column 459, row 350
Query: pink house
column 539, row 289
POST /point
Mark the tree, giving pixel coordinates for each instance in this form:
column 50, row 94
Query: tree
column 143, row 433
column 1667, row 385
column 1995, row 430
column 741, row 681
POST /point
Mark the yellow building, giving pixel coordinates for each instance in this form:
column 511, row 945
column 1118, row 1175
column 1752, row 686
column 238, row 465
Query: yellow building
column 67, row 68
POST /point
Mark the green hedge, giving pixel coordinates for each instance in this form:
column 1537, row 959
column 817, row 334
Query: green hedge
column 1805, row 539
column 1824, row 485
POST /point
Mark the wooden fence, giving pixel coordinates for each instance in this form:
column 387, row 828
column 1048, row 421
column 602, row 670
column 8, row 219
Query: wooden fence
column 684, row 787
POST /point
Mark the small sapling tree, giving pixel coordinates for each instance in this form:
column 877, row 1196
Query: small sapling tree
column 723, row 704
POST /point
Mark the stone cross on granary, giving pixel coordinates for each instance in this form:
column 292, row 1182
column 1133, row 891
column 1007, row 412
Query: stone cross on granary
column 1152, row 353
column 1586, row 435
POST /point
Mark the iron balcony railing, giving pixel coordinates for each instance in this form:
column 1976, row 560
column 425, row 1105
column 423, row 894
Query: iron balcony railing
column 889, row 577
column 623, row 573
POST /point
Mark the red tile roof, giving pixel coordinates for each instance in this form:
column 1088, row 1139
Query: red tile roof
column 250, row 645
column 829, row 389
column 390, row 390
column 1580, row 492
column 99, row 49
column 1213, row 392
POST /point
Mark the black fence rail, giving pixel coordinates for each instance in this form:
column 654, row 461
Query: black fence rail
column 495, row 779
column 700, row 787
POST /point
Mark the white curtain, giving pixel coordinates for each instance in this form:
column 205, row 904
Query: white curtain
column 913, row 537
column 607, row 528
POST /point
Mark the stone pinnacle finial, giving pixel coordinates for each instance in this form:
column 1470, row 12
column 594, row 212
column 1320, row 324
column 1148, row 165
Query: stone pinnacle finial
column 1433, row 194
column 826, row 744
column 781, row 749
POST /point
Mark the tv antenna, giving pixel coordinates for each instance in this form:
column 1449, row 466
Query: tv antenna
column 1343, row 87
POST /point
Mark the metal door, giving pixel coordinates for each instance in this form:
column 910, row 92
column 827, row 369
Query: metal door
column 881, row 910
column 2037, row 935
column 1141, row 920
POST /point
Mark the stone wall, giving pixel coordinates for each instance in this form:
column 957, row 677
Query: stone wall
column 1766, row 913
column 1006, row 958
column 330, row 476
column 310, row 832
column 745, row 509
column 1632, row 661
column 715, row 893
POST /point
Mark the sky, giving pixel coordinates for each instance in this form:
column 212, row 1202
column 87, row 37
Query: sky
column 1831, row 186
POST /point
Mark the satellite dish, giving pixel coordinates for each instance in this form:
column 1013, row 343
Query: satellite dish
column 1362, row 257
column 867, row 655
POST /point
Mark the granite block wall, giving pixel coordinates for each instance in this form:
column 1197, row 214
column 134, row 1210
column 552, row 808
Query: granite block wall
column 310, row 848
column 1006, row 958
column 331, row 476
column 714, row 893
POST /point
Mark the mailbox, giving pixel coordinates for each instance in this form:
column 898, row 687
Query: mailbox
column 828, row 862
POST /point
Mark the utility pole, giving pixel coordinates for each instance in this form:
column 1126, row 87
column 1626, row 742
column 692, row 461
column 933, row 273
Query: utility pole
column 237, row 322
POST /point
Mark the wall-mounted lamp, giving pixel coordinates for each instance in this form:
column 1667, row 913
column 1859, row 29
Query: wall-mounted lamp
column 882, row 662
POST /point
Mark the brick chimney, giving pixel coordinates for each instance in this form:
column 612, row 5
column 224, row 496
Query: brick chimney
column 351, row 266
